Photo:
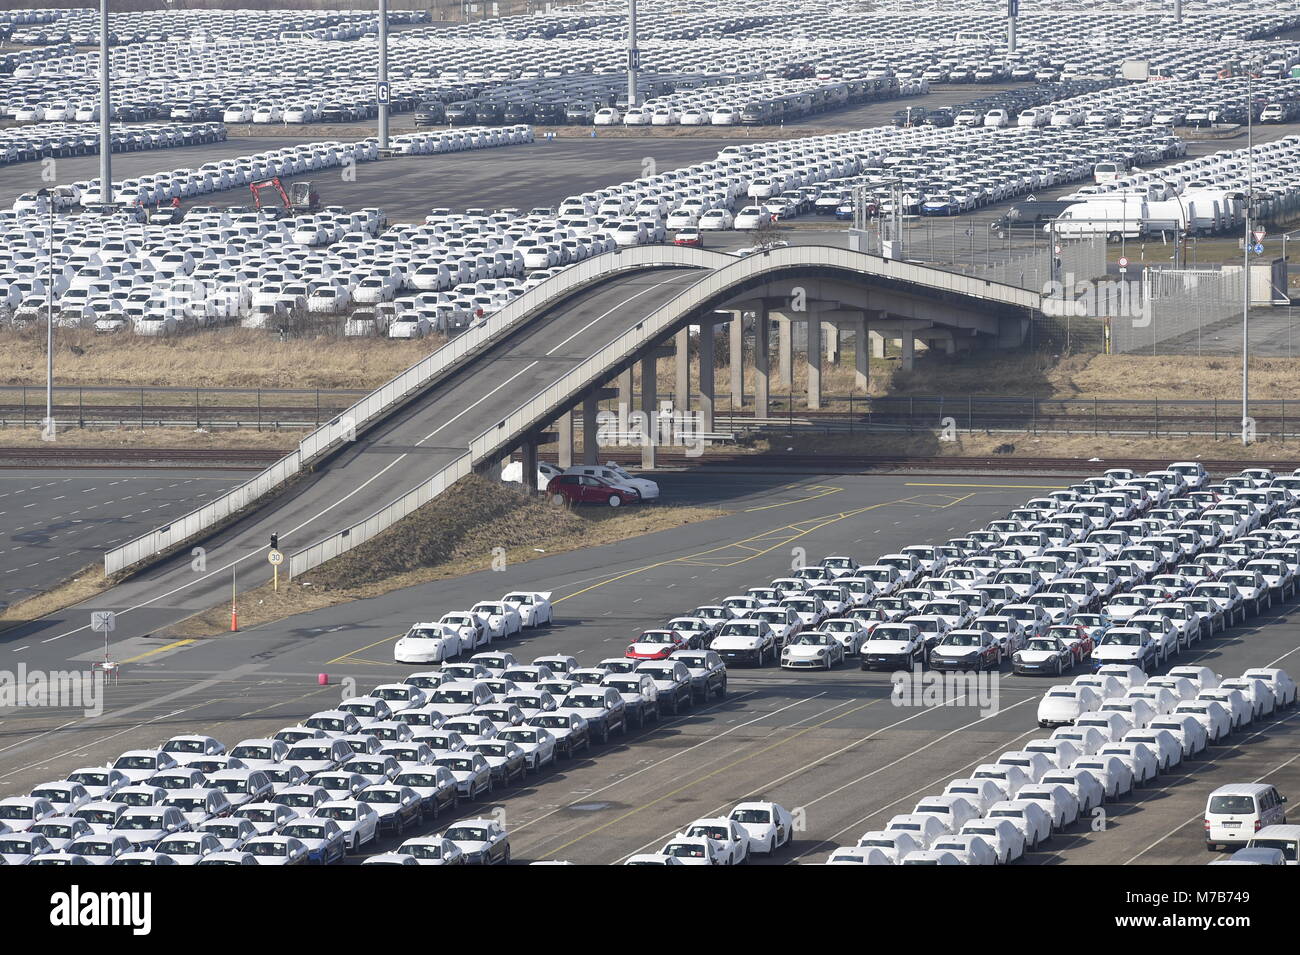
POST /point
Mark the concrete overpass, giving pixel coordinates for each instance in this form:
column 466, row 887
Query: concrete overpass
column 496, row 388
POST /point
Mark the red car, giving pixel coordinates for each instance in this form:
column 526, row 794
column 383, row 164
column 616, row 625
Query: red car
column 691, row 237
column 1076, row 637
column 656, row 645
column 586, row 489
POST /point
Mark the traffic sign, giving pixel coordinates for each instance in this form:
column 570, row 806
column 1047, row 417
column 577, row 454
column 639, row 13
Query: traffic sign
column 103, row 620
column 275, row 557
column 1057, row 249
column 1259, row 249
column 382, row 93
column 1122, row 261
column 1259, row 236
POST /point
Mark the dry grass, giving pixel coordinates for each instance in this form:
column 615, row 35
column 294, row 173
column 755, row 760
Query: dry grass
column 1081, row 446
column 220, row 358
column 231, row 439
column 454, row 534
column 82, row 585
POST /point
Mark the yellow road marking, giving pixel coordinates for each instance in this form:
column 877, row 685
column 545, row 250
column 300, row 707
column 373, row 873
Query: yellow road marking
column 149, row 653
column 1044, row 487
column 396, row 636
column 826, row 491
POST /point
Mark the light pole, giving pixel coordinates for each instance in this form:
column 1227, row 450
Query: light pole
column 633, row 57
column 105, row 109
column 382, row 88
column 47, row 433
column 1245, row 255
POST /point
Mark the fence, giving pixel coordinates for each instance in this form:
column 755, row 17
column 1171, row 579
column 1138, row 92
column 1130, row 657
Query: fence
column 345, row 426
column 1034, row 269
column 162, row 407
column 1173, row 307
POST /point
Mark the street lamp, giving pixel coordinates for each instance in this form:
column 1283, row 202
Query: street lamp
column 1245, row 256
column 47, row 433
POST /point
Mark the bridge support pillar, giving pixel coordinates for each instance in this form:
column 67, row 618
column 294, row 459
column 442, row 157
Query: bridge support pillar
column 565, row 444
column 590, row 413
column 762, row 356
column 908, row 346
column 814, row 365
column 707, row 330
column 682, row 365
column 737, row 358
column 832, row 336
column 862, row 355
column 528, row 453
column 877, row 345
column 624, row 403
column 785, row 353
column 649, row 398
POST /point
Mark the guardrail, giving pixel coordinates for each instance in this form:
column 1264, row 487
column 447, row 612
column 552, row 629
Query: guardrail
column 743, row 270
column 728, row 273
column 611, row 263
column 344, row 427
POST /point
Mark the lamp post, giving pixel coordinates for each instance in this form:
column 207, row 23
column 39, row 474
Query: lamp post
column 1245, row 255
column 47, row 433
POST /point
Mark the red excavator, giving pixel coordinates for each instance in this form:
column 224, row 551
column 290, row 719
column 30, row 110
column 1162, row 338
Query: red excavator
column 301, row 197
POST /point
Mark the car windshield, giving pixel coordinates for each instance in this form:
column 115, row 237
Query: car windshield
column 1232, row 804
column 751, row 816
column 962, row 640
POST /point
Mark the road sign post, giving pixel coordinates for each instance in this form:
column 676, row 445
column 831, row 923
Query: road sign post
column 105, row 622
column 275, row 558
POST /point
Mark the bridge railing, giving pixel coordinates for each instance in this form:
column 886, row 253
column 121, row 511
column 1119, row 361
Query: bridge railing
column 640, row 257
column 728, row 272
column 345, row 426
column 597, row 367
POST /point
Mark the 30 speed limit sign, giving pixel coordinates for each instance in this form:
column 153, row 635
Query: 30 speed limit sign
column 275, row 558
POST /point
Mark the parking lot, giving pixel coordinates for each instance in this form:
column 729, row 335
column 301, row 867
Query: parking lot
column 1160, row 605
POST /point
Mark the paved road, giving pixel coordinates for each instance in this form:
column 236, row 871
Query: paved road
column 397, row 455
column 831, row 744
column 53, row 522
column 407, row 187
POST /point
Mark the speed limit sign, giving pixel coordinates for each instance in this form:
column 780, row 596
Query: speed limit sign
column 1122, row 261
column 275, row 557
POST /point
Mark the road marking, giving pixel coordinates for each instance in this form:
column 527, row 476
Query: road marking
column 1045, row 487
column 464, row 411
column 826, row 491
column 155, row 650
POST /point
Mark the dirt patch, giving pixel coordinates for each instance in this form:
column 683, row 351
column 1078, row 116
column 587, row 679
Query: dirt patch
column 160, row 438
column 216, row 358
column 459, row 532
column 82, row 585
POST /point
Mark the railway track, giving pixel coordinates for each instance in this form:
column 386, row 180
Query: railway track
column 67, row 456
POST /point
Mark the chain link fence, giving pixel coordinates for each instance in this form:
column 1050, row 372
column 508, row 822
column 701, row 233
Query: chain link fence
column 1170, row 309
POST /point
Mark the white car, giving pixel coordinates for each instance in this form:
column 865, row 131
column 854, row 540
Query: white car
column 428, row 643
column 768, row 825
column 1003, row 835
column 359, row 822
column 968, row 849
column 534, row 607
column 471, row 628
column 1062, row 705
column 896, row 844
column 1087, row 791
column 726, row 832
column 502, row 620
column 1027, row 815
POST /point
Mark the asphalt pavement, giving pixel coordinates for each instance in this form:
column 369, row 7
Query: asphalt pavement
column 54, row 522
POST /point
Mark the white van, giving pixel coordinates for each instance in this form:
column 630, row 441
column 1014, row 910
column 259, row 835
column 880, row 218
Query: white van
column 1236, row 813
column 1285, row 838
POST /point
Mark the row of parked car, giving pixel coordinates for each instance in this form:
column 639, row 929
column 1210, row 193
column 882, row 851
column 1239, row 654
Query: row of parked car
column 81, row 138
column 380, row 763
column 277, row 75
column 201, row 265
column 1017, row 803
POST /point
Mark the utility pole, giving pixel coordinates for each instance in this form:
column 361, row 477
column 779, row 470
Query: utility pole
column 1013, row 9
column 47, row 433
column 382, row 87
column 105, row 136
column 633, row 56
column 1245, row 257
column 1178, row 11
